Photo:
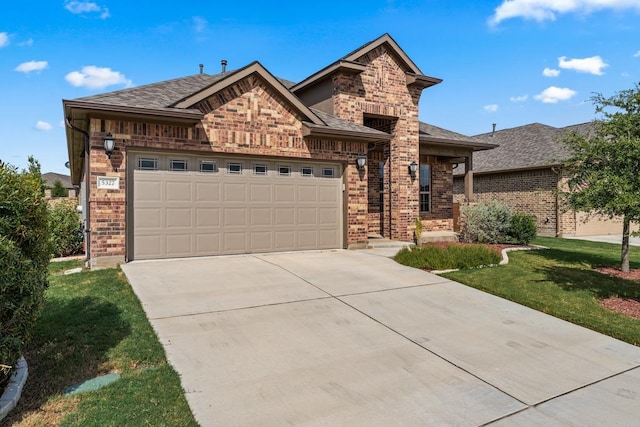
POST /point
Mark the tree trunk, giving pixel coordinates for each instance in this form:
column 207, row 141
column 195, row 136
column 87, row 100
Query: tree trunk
column 625, row 245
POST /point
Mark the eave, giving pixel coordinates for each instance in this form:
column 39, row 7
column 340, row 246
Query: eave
column 347, row 67
column 342, row 135
column 475, row 146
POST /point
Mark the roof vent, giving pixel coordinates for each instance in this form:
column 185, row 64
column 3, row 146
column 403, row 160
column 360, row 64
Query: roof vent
column 201, row 68
column 224, row 65
column 494, row 129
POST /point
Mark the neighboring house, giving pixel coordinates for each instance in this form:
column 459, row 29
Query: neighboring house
column 243, row 162
column 525, row 171
column 50, row 179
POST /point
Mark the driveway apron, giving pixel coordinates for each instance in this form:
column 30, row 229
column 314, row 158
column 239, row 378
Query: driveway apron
column 352, row 338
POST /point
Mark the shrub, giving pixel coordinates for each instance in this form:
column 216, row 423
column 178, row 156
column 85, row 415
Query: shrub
column 485, row 222
column 24, row 258
column 58, row 189
column 448, row 257
column 64, row 225
column 522, row 229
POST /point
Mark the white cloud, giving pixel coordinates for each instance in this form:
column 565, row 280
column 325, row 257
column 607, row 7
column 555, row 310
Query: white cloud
column 491, row 108
column 550, row 72
column 27, row 67
column 85, row 7
column 28, row 42
column 552, row 95
column 93, row 77
column 548, row 10
column 44, row 126
column 520, row 98
column 637, row 54
column 4, row 39
column 592, row 65
column 199, row 24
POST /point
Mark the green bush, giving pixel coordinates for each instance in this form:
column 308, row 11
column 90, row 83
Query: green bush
column 485, row 222
column 522, row 229
column 24, row 258
column 58, row 189
column 64, row 224
column 447, row 257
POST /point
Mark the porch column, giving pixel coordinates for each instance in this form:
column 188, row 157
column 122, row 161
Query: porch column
column 468, row 178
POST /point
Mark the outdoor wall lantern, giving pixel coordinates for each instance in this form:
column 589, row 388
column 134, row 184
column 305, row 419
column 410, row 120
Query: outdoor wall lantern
column 109, row 144
column 413, row 168
column 361, row 161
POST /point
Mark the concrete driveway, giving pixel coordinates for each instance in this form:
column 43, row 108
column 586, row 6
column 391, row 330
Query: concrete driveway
column 351, row 338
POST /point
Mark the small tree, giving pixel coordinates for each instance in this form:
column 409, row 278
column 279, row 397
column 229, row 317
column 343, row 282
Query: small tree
column 58, row 189
column 606, row 164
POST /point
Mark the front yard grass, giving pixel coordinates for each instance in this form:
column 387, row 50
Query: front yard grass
column 560, row 281
column 92, row 324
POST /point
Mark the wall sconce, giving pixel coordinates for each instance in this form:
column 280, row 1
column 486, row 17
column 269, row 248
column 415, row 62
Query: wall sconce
column 361, row 161
column 413, row 168
column 109, row 144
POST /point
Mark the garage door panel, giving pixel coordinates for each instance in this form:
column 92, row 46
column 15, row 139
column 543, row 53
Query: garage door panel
column 260, row 193
column 284, row 193
column 149, row 218
column 235, row 242
column 149, row 246
column 307, row 239
column 284, row 216
column 213, row 211
column 234, row 217
column 260, row 241
column 177, row 191
column 147, row 190
column 235, row 192
column 178, row 245
column 283, row 240
column 178, row 217
column 208, row 243
column 260, row 217
column 207, row 217
column 207, row 192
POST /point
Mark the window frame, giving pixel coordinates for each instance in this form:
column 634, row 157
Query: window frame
column 147, row 159
column 232, row 172
column 422, row 192
column 214, row 166
column 171, row 165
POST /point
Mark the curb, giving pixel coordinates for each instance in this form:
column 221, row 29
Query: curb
column 505, row 258
column 11, row 395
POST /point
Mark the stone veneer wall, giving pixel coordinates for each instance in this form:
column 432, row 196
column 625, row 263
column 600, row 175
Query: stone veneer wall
column 529, row 191
column 247, row 118
column 381, row 91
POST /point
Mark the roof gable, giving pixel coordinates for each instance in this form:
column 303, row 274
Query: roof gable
column 234, row 77
column 392, row 46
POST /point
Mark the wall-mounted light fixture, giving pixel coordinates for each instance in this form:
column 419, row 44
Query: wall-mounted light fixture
column 413, row 168
column 109, row 144
column 361, row 161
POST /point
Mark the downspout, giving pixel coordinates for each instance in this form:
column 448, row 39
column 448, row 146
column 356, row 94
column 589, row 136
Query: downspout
column 558, row 213
column 87, row 228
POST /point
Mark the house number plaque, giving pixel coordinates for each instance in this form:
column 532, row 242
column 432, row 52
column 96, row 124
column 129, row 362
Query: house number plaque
column 108, row 182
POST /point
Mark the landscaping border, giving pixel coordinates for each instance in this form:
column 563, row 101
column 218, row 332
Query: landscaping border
column 505, row 258
column 11, row 395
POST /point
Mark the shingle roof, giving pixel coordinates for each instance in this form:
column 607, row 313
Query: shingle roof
column 337, row 123
column 431, row 131
column 524, row 147
column 160, row 95
column 50, row 179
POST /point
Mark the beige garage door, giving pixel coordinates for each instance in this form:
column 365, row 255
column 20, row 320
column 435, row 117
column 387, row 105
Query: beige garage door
column 195, row 206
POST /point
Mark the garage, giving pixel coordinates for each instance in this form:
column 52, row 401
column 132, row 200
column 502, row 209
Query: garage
column 186, row 206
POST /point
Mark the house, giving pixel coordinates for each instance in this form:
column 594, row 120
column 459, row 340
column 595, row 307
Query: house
column 244, row 162
column 50, row 179
column 525, row 172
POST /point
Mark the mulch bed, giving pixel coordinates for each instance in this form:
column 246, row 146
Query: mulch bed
column 626, row 306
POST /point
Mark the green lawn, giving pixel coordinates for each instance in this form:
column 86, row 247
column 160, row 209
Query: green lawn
column 560, row 281
column 93, row 324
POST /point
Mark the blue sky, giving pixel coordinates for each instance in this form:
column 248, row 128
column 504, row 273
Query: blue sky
column 509, row 62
